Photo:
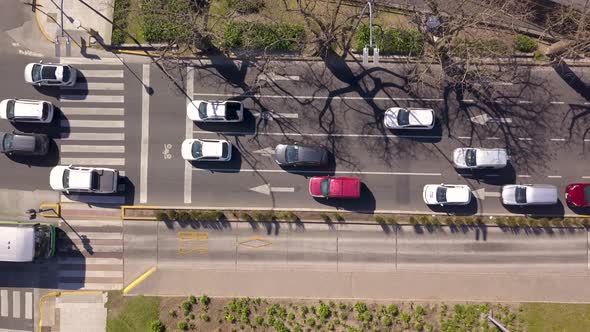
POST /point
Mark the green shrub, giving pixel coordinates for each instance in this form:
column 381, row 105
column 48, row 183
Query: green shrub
column 344, row 315
column 360, row 307
column 391, row 41
column 120, row 12
column 392, row 309
column 187, row 306
column 184, row 216
column 261, row 216
column 204, row 300
column 205, row 317
column 263, row 36
column 419, row 326
column 538, row 55
column 172, row 313
column 291, row 316
column 380, row 219
column 192, row 299
column 230, row 318
column 525, row 44
column 391, row 221
column 191, row 316
column 157, row 326
column 324, row 311
column 172, row 215
column 303, row 310
column 246, row 217
column 405, row 317
column 424, row 220
column 420, row 310
column 338, row 217
column 330, row 326
column 183, row 326
column 366, row 316
column 258, row 320
column 161, row 215
column 325, row 217
column 288, row 216
column 342, row 306
column 310, row 321
column 413, row 221
column 386, row 321
column 160, row 21
column 449, row 221
column 196, row 215
column 245, row 6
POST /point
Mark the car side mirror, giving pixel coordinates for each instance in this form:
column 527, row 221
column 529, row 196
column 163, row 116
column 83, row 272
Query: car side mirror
column 40, row 61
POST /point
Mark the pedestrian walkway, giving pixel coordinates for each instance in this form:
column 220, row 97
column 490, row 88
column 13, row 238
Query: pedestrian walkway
column 16, row 309
column 90, row 254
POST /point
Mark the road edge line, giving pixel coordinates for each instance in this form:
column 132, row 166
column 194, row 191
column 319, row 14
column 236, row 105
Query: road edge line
column 139, row 280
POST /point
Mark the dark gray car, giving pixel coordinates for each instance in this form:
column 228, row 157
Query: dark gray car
column 24, row 144
column 300, row 155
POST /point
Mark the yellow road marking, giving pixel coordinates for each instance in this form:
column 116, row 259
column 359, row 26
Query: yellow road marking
column 137, row 281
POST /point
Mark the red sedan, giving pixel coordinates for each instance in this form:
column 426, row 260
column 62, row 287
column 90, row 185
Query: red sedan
column 578, row 194
column 335, row 187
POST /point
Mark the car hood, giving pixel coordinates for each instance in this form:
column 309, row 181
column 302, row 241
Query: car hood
column 429, row 194
column 459, row 157
column 56, row 177
column 192, row 110
column 280, row 154
column 186, row 149
column 574, row 194
column 390, row 118
column 29, row 73
column 315, row 185
column 509, row 194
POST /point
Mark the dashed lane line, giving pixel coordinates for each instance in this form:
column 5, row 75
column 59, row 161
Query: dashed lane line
column 523, row 176
column 554, row 176
column 231, row 133
column 309, row 172
column 558, row 139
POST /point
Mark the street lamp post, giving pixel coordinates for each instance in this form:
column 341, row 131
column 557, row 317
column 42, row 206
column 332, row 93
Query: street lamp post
column 366, row 49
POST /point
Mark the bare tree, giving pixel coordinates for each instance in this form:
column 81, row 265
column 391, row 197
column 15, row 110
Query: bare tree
column 573, row 23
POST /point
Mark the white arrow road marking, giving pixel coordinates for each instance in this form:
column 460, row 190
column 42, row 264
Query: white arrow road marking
column 273, row 115
column 266, row 152
column 276, row 77
column 482, row 119
column 481, row 193
column 267, row 189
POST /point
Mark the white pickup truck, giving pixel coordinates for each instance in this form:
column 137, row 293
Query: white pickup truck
column 84, row 179
column 215, row 111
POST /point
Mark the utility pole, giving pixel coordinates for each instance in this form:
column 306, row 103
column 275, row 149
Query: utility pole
column 366, row 49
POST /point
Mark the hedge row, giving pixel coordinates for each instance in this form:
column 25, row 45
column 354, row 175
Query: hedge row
column 120, row 13
column 390, row 41
column 162, row 20
column 264, row 36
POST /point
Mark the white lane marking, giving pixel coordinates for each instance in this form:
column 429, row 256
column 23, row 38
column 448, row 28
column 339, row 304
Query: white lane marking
column 493, row 138
column 96, row 199
column 523, row 176
column 464, row 137
column 276, row 77
column 554, row 176
column 145, row 139
column 93, row 148
column 266, row 189
column 29, row 305
column 93, row 136
column 221, row 170
column 93, row 123
column 91, row 99
column 312, row 97
column 585, row 177
column 95, row 86
column 468, row 100
column 4, row 302
column 481, row 193
column 188, row 174
column 558, row 139
column 586, row 140
column 15, row 304
column 525, row 102
column 482, row 119
column 101, row 73
column 307, row 134
column 92, row 61
column 274, row 115
column 525, row 139
column 93, row 161
column 89, row 261
column 557, row 102
column 30, row 53
column 587, row 103
column 91, row 274
column 92, row 111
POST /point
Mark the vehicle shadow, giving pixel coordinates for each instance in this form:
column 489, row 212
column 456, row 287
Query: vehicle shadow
column 49, row 160
column 506, row 175
column 580, row 210
column 71, row 245
column 232, row 166
column 365, row 204
column 246, row 127
column 457, row 210
column 77, row 92
column 555, row 210
column 127, row 188
column 55, row 129
column 433, row 135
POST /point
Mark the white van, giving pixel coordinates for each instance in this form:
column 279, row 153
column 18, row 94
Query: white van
column 24, row 110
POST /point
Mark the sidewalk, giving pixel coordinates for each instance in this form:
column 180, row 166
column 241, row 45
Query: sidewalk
column 69, row 311
column 15, row 203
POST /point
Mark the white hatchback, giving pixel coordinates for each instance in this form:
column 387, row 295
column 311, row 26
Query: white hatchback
column 446, row 194
column 50, row 74
column 206, row 150
column 409, row 118
column 529, row 194
column 480, row 158
column 24, row 110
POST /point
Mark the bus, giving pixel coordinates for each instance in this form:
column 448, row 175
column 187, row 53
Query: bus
column 26, row 241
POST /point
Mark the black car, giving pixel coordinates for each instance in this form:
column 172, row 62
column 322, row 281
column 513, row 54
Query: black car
column 24, row 144
column 300, row 155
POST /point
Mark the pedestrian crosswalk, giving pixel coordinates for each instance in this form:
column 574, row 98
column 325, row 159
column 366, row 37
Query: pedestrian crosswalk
column 16, row 309
column 90, row 255
column 92, row 119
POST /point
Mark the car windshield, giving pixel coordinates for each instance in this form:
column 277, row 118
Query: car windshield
column 95, row 180
column 36, row 74
column 197, row 149
column 66, row 179
column 10, row 109
column 587, row 194
column 403, row 118
column 66, row 74
column 470, row 157
column 42, row 240
column 7, row 143
column 45, row 111
column 520, row 195
column 292, row 154
column 203, row 110
column 441, row 194
column 325, row 186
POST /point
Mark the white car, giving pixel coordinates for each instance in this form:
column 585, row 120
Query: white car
column 24, row 110
column 529, row 194
column 50, row 74
column 84, row 179
column 409, row 118
column 480, row 158
column 215, row 111
column 446, row 194
column 206, row 150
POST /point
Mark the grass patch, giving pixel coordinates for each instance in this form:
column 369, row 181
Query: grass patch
column 134, row 22
column 131, row 313
column 556, row 317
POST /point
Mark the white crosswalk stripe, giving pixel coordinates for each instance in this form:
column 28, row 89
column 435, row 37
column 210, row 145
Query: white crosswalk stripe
column 13, row 301
column 93, row 113
column 90, row 255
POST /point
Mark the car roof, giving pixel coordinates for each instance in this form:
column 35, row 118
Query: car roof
column 80, row 179
column 212, row 148
column 28, row 108
column 541, row 193
column 457, row 194
column 491, row 156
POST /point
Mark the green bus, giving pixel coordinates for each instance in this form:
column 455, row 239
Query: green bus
column 26, row 241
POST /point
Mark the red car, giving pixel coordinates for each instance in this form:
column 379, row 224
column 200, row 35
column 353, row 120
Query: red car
column 335, row 187
column 578, row 194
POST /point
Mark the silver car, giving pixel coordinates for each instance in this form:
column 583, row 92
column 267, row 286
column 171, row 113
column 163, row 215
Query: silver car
column 50, row 74
column 409, row 118
column 529, row 194
column 474, row 158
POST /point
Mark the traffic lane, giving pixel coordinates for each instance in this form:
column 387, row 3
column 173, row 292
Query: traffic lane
column 28, row 172
column 487, row 249
column 165, row 166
